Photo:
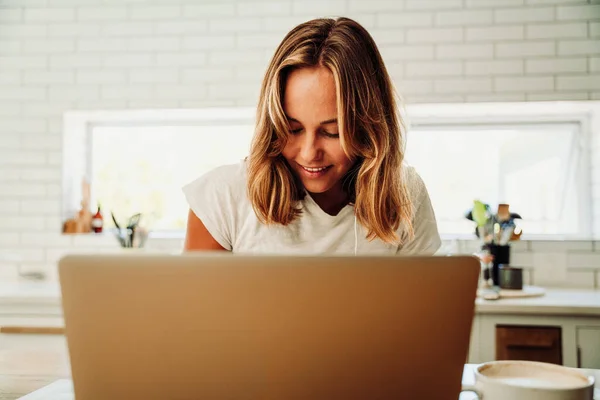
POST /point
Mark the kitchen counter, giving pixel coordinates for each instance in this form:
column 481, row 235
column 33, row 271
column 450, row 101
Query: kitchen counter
column 42, row 299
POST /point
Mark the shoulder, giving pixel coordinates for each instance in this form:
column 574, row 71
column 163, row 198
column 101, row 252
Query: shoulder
column 414, row 184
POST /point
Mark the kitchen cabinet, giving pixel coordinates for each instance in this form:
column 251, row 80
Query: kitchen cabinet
column 531, row 343
column 588, row 347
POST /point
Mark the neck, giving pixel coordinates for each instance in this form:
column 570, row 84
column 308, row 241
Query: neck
column 331, row 201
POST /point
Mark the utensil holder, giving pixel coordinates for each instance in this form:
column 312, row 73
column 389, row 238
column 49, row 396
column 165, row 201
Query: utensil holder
column 501, row 255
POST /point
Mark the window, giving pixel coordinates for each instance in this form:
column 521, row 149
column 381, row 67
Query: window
column 142, row 168
column 534, row 156
column 536, row 168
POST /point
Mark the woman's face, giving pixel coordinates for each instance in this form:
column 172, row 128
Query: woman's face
column 313, row 148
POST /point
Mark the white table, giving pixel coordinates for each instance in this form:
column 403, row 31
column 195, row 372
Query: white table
column 63, row 389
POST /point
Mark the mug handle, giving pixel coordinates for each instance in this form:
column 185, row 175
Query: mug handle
column 471, row 388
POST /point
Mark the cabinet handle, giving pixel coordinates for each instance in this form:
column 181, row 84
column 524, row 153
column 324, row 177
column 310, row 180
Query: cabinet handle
column 578, row 357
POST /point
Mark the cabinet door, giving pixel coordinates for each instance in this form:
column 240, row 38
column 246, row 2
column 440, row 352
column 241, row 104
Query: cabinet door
column 531, row 343
column 588, row 347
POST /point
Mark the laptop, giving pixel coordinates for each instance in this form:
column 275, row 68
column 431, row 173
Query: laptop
column 225, row 326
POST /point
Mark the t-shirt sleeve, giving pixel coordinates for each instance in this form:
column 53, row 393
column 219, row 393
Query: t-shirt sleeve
column 427, row 239
column 209, row 197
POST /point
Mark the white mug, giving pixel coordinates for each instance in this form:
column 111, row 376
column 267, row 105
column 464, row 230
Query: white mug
column 529, row 380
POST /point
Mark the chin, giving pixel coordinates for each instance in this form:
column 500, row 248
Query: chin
column 314, row 187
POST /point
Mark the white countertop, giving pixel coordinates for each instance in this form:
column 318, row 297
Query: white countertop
column 43, row 299
column 63, row 389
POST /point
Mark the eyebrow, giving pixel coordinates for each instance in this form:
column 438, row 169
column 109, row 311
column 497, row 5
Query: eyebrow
column 328, row 121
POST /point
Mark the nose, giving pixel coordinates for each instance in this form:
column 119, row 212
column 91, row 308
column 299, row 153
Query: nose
column 310, row 148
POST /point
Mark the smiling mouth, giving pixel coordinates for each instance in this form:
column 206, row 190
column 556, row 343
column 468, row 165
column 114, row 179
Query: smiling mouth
column 314, row 169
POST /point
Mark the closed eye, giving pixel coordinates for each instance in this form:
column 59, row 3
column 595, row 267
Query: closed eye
column 295, row 131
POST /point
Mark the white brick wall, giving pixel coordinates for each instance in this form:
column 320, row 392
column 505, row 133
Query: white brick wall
column 57, row 55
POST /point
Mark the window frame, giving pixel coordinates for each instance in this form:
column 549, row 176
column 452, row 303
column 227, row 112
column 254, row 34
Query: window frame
column 79, row 125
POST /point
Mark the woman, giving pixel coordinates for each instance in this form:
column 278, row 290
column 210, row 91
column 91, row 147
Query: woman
column 325, row 174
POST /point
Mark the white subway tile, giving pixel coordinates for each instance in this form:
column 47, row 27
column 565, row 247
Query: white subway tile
column 408, row 52
column 127, row 28
column 404, row 19
column 227, row 58
column 499, row 67
column 9, row 239
column 154, row 44
column 594, row 29
column 388, row 36
column 23, row 190
column 550, row 268
column 8, row 47
column 258, row 40
column 20, row 125
column 324, row 8
column 9, row 140
column 432, row 5
column 234, row 25
column 40, row 207
column 217, row 42
column 594, row 64
column 181, row 59
column 495, row 97
column 433, row 35
column 8, row 15
column 380, row 6
column 47, row 77
column 464, row 85
column 104, row 13
column 54, row 158
column 524, row 84
column 41, row 141
column 101, row 76
column 264, row 8
column 579, row 280
column 521, row 258
column 578, row 47
column 53, row 190
column 72, row 30
column 493, row 3
column 433, row 69
column 8, row 207
column 45, row 239
column 282, row 25
column 494, row 33
column 208, row 11
column 31, row 255
column 23, row 62
column 127, row 92
column 154, row 75
column 19, row 158
column 105, row 44
column 75, row 60
column 9, row 108
column 18, row 92
column 229, row 90
column 49, row 14
column 205, row 75
column 415, row 86
column 555, row 245
column 128, row 60
column 93, row 240
column 8, row 77
column 561, row 96
column 552, row 2
column 464, row 51
column 558, row 31
column 180, row 92
column 48, row 46
column 512, row 15
column 179, row 27
column 555, row 65
column 583, row 82
column 464, row 17
column 24, row 31
column 41, row 174
column 525, row 49
column 520, row 245
column 577, row 12
column 156, row 12
column 73, row 93
column 583, row 259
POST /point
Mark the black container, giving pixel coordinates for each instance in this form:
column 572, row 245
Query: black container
column 501, row 256
column 511, row 277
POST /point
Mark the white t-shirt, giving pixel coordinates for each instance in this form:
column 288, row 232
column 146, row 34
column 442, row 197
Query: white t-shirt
column 219, row 200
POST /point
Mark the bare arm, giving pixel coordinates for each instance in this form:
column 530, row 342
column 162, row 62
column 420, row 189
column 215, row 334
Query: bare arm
column 197, row 236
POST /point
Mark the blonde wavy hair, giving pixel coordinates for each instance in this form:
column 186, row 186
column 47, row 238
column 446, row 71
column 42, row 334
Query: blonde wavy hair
column 371, row 129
